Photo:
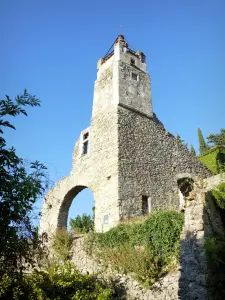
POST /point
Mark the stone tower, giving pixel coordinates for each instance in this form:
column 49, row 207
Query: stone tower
column 126, row 157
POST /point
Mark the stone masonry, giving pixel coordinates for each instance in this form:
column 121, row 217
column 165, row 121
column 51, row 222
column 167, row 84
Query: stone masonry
column 189, row 280
column 126, row 157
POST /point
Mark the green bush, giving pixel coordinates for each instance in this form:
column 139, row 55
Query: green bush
column 147, row 250
column 82, row 224
column 219, row 195
column 215, row 254
column 62, row 243
column 214, row 160
column 55, row 283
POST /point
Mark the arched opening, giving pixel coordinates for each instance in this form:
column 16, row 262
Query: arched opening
column 78, row 201
column 185, row 185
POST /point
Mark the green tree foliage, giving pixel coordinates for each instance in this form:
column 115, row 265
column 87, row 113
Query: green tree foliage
column 147, row 249
column 61, row 282
column 192, row 150
column 217, row 139
column 20, row 187
column 202, row 145
column 219, row 195
column 180, row 141
column 82, row 224
column 215, row 255
column 61, row 243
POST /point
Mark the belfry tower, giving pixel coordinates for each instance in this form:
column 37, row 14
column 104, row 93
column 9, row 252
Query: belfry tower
column 126, row 157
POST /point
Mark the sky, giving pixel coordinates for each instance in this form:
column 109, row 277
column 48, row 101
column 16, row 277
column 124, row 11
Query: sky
column 51, row 48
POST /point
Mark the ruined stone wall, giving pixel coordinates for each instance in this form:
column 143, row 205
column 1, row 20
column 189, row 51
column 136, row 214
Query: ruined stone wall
column 130, row 153
column 135, row 94
column 189, row 280
column 151, row 161
column 96, row 170
column 166, row 288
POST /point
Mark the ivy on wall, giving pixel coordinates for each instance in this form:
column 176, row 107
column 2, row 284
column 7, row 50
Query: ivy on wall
column 147, row 248
column 214, row 160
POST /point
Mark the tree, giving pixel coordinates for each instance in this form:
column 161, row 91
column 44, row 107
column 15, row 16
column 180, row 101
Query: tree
column 20, row 187
column 82, row 224
column 192, row 150
column 202, row 145
column 217, row 139
column 180, row 141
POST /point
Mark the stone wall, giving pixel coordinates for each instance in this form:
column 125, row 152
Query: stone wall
column 135, row 94
column 166, row 288
column 189, row 280
column 130, row 153
column 151, row 161
column 96, row 170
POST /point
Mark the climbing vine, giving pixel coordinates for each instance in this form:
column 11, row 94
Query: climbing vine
column 147, row 249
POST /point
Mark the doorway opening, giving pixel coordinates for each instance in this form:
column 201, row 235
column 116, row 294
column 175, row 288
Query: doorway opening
column 77, row 210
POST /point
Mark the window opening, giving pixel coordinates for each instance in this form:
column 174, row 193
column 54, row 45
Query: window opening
column 143, row 59
column 145, row 205
column 85, row 136
column 85, row 147
column 85, row 143
column 106, row 219
column 132, row 61
column 134, row 76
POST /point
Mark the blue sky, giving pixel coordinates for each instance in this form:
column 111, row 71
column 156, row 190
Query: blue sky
column 52, row 47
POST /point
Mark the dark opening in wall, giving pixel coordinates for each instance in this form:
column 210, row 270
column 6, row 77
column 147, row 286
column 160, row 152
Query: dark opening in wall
column 85, row 143
column 185, row 185
column 132, row 61
column 143, row 59
column 134, row 76
column 86, row 135
column 145, row 205
column 85, row 147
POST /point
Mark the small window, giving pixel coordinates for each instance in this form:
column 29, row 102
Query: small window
column 85, row 136
column 106, row 219
column 134, row 76
column 85, row 147
column 143, row 59
column 145, row 205
column 85, row 143
column 132, row 61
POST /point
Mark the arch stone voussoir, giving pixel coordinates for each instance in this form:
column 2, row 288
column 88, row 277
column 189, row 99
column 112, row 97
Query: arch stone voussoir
column 57, row 203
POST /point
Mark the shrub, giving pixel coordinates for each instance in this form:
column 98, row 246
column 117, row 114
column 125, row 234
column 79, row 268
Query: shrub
column 214, row 159
column 62, row 243
column 163, row 232
column 57, row 282
column 219, row 195
column 215, row 254
column 82, row 224
column 147, row 250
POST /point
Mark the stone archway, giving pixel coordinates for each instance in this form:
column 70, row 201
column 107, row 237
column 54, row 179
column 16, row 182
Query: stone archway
column 57, row 204
column 65, row 205
column 185, row 184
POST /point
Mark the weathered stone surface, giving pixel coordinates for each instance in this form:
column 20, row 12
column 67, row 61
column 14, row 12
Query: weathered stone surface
column 150, row 163
column 130, row 156
column 188, row 281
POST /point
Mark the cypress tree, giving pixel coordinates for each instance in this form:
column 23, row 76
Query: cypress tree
column 192, row 150
column 202, row 145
